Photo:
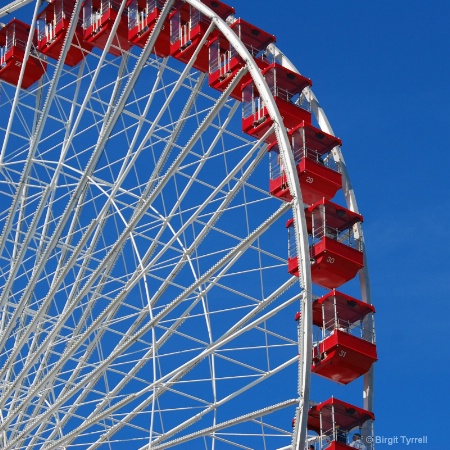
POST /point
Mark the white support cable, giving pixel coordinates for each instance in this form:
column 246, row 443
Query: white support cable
column 174, row 135
column 92, row 164
column 144, row 207
column 221, row 208
column 228, row 259
column 237, row 330
column 61, row 163
column 195, row 215
column 103, row 214
column 19, row 376
column 297, row 209
column 133, row 221
column 31, row 231
column 84, row 178
column 93, row 343
column 104, row 277
column 206, row 228
column 227, row 424
column 37, row 133
column 18, row 87
column 120, row 176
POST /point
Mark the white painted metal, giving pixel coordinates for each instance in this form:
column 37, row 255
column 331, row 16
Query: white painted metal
column 13, row 6
column 139, row 248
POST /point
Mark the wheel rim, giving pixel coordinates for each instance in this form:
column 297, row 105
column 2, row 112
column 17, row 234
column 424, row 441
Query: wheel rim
column 146, row 295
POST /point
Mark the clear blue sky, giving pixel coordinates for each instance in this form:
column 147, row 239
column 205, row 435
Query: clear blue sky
column 381, row 71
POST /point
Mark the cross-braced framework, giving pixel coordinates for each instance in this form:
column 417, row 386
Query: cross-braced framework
column 145, row 300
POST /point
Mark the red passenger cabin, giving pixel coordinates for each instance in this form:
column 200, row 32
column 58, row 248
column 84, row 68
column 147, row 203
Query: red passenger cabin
column 225, row 62
column 142, row 17
column 188, row 27
column 333, row 420
column 98, row 20
column 317, row 171
column 286, row 87
column 335, row 250
column 53, row 23
column 346, row 349
column 13, row 42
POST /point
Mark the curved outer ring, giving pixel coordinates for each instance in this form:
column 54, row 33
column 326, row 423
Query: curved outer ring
column 350, row 199
column 287, row 156
column 305, row 337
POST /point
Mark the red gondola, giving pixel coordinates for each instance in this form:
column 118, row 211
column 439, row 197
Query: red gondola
column 142, row 17
column 98, row 19
column 333, row 419
column 187, row 28
column 335, row 251
column 317, row 171
column 53, row 23
column 286, row 87
column 346, row 349
column 225, row 62
column 13, row 42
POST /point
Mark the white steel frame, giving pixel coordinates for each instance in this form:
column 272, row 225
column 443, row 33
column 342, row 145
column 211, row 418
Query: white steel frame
column 40, row 395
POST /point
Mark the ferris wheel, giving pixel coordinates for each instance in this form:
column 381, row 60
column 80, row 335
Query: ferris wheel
column 176, row 220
